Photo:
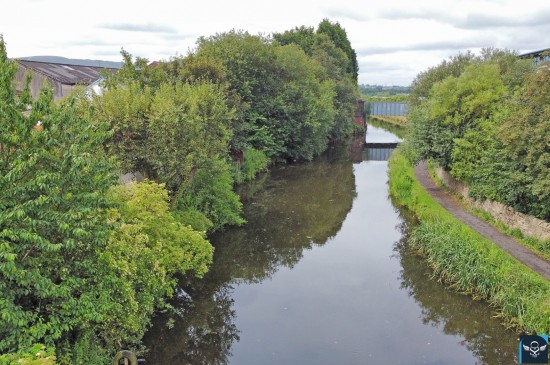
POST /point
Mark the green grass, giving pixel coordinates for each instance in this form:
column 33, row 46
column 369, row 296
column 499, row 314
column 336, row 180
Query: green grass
column 254, row 162
column 392, row 119
column 468, row 262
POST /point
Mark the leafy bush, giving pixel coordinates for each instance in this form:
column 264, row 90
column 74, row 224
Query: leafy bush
column 53, row 186
column 485, row 119
column 37, row 354
column 253, row 162
column 211, row 193
column 83, row 262
column 145, row 251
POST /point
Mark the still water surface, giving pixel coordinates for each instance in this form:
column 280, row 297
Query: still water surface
column 321, row 274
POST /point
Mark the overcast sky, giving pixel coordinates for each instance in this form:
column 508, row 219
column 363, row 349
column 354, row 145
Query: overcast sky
column 394, row 39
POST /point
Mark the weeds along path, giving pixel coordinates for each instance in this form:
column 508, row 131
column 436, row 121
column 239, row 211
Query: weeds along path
column 520, row 252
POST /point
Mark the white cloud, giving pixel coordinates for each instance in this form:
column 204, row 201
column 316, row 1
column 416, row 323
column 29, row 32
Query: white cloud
column 146, row 28
column 394, row 39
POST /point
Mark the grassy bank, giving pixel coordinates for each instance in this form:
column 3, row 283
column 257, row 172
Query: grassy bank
column 392, row 119
column 467, row 261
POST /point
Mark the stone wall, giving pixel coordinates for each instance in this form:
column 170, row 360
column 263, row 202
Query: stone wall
column 529, row 225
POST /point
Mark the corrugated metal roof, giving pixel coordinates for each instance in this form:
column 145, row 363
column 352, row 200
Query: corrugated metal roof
column 66, row 74
column 533, row 54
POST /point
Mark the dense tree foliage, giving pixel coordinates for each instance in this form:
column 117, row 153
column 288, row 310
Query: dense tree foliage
column 140, row 275
column 338, row 35
column 82, row 266
column 423, row 82
column 52, row 216
column 328, row 47
column 84, row 260
column 485, row 118
column 296, row 93
column 303, row 106
column 172, row 131
column 526, row 137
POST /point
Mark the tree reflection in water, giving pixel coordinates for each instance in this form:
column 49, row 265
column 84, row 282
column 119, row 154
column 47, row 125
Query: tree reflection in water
column 456, row 314
column 203, row 333
column 291, row 209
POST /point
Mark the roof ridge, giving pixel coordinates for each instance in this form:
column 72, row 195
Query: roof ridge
column 64, row 64
column 65, row 73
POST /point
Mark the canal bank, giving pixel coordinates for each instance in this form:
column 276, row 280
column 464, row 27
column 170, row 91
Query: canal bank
column 469, row 262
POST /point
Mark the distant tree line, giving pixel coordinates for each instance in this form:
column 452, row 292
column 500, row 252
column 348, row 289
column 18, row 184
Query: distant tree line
column 384, row 92
column 486, row 119
column 85, row 261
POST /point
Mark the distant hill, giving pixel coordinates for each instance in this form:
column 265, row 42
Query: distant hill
column 74, row 61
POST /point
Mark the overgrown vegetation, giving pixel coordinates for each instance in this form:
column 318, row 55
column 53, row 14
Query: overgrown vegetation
column 467, row 261
column 253, row 161
column 486, row 120
column 38, row 354
column 84, row 261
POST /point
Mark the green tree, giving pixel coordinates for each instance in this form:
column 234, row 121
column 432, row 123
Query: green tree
column 188, row 136
column 303, row 112
column 423, row 82
column 126, row 110
column 132, row 71
column 340, row 38
column 83, row 262
column 52, row 217
column 211, row 193
column 304, row 37
column 188, row 125
column 334, row 61
column 249, row 63
column 455, row 106
column 172, row 128
column 486, row 123
column 145, row 251
column 247, row 58
column 526, row 135
column 335, row 67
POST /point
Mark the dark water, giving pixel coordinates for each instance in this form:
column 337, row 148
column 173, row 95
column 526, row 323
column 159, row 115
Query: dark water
column 321, row 274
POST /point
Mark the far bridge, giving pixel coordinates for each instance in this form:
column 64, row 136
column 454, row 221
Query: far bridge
column 376, row 153
column 386, row 108
column 377, row 145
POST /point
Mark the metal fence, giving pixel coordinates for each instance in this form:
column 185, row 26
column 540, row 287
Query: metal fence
column 388, row 108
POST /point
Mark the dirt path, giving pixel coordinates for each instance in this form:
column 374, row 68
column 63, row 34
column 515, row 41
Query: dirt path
column 508, row 244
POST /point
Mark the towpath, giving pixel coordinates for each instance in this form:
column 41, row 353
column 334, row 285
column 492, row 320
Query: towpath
column 508, row 244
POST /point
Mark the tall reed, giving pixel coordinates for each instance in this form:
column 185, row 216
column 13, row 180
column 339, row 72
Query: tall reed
column 467, row 261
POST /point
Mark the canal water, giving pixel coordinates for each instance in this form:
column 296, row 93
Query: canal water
column 321, row 274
